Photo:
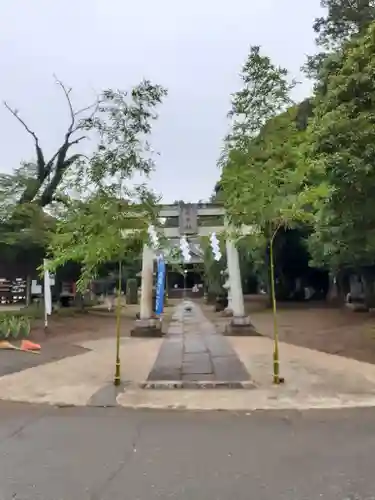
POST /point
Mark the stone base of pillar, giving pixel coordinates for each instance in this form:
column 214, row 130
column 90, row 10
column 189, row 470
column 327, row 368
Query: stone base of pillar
column 227, row 312
column 241, row 326
column 147, row 328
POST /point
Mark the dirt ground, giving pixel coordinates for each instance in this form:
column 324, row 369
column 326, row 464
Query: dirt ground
column 78, row 327
column 331, row 330
column 317, row 326
column 91, row 325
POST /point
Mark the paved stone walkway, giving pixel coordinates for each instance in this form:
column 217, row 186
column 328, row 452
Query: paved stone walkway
column 194, row 352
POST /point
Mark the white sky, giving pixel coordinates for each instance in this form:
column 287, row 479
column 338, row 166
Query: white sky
column 195, row 49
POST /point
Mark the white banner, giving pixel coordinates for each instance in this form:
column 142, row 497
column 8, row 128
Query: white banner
column 47, row 290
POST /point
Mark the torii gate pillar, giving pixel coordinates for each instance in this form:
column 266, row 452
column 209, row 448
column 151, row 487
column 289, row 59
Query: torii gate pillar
column 240, row 323
column 147, row 325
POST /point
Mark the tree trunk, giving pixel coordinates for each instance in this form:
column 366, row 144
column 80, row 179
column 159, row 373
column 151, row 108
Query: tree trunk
column 268, row 276
column 369, row 289
column 211, row 297
column 28, row 290
column 333, row 289
column 79, row 301
column 343, row 286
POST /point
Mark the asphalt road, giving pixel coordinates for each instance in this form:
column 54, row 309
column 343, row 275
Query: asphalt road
column 16, row 361
column 114, row 454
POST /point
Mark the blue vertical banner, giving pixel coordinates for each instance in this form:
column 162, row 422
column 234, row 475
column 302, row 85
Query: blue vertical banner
column 160, row 285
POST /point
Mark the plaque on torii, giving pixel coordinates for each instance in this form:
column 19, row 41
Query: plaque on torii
column 188, row 219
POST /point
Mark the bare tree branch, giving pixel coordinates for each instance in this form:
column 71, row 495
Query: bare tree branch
column 75, row 114
column 87, row 108
column 67, row 95
column 16, row 115
column 50, row 174
column 76, row 141
column 39, row 152
column 94, row 106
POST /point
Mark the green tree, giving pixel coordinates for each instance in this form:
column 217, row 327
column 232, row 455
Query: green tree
column 342, row 135
column 94, row 230
column 264, row 183
column 24, row 231
column 343, row 20
column 271, row 197
column 277, row 151
column 265, row 93
column 111, row 223
column 118, row 122
column 100, row 230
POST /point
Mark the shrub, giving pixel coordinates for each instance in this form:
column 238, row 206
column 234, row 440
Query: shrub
column 14, row 327
column 4, row 327
column 25, row 327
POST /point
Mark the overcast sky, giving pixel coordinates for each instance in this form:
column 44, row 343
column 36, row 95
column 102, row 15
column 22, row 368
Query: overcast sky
column 194, row 48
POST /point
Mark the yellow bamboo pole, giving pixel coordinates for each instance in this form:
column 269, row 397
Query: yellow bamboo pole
column 276, row 358
column 117, row 379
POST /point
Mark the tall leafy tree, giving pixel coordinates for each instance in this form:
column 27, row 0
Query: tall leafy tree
column 264, row 183
column 343, row 20
column 93, row 230
column 342, row 138
column 265, row 92
column 111, row 223
column 99, row 230
column 268, row 188
column 118, row 123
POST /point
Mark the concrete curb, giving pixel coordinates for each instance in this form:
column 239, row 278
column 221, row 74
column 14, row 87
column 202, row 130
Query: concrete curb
column 196, row 385
column 282, row 407
column 188, row 401
column 132, row 396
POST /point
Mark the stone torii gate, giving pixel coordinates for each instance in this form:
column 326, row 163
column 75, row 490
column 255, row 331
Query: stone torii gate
column 192, row 221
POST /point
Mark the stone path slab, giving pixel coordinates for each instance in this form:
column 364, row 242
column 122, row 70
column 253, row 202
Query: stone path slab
column 193, row 351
